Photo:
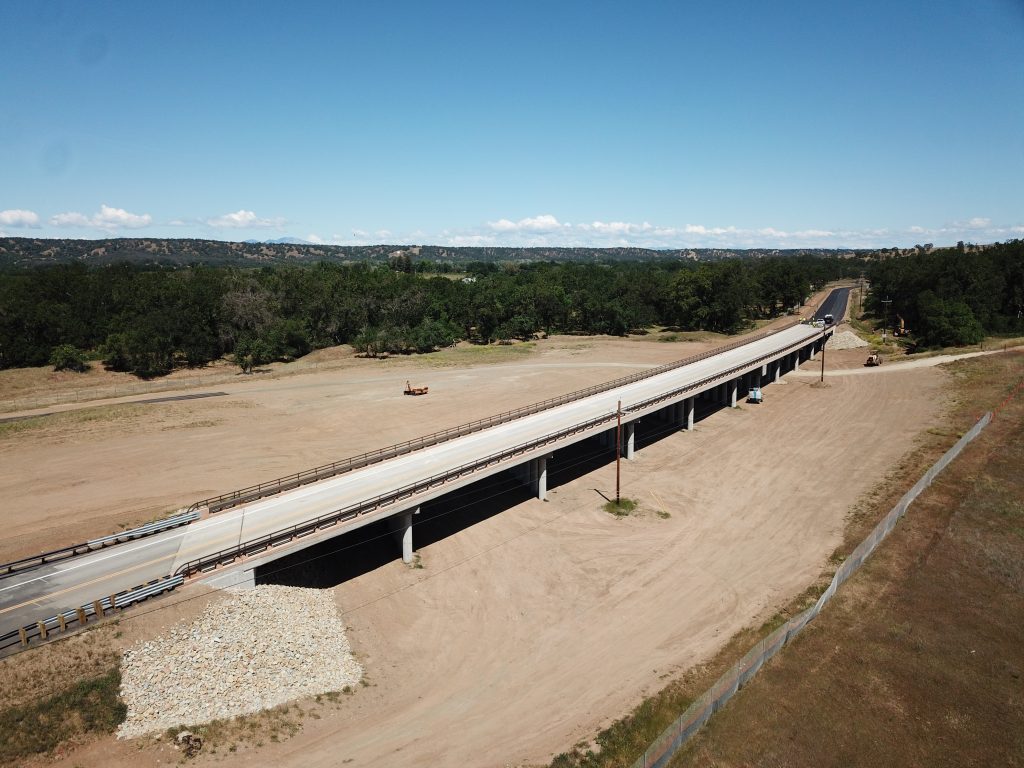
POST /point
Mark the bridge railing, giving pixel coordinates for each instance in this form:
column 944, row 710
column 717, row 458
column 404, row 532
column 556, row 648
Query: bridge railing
column 80, row 616
column 289, row 482
column 6, row 569
column 344, row 514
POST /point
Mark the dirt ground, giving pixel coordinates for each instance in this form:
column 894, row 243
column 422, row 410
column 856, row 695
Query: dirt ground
column 919, row 658
column 527, row 631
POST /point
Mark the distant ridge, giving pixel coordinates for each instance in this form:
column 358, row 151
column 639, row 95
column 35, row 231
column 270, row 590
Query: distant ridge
column 29, row 252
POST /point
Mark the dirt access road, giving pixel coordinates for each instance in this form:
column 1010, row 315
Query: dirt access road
column 531, row 629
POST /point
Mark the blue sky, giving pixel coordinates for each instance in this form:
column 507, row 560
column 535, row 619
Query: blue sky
column 655, row 124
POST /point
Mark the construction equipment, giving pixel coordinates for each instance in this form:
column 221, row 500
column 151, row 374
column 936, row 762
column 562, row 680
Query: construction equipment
column 754, row 395
column 873, row 359
column 410, row 390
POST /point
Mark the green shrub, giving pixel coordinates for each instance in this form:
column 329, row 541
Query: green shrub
column 68, row 358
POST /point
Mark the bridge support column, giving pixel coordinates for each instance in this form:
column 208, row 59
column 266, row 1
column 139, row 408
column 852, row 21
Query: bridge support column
column 688, row 414
column 812, row 350
column 401, row 527
column 629, row 440
column 734, row 385
column 540, row 476
column 777, row 369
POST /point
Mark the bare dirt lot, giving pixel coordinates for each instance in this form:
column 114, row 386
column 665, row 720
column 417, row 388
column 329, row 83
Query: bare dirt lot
column 530, row 629
column 918, row 660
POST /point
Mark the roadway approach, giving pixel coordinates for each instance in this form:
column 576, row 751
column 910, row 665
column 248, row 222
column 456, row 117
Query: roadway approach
column 224, row 548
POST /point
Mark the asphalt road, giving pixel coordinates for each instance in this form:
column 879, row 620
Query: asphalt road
column 50, row 589
column 834, row 304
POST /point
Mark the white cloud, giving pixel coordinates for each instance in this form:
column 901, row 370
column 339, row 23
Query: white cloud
column 16, row 217
column 242, row 219
column 383, row 234
column 315, row 239
column 543, row 223
column 70, row 219
column 108, row 219
column 115, row 218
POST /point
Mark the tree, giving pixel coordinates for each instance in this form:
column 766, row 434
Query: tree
column 251, row 352
column 946, row 323
column 66, row 357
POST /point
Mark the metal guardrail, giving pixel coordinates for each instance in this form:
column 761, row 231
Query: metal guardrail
column 80, row 616
column 6, row 569
column 285, row 535
column 289, row 482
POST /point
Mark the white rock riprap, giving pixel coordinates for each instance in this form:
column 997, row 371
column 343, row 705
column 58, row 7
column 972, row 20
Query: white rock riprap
column 846, row 340
column 251, row 651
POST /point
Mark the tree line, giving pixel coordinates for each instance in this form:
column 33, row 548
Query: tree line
column 952, row 296
column 150, row 320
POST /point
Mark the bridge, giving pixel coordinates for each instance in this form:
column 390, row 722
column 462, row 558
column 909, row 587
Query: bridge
column 238, row 532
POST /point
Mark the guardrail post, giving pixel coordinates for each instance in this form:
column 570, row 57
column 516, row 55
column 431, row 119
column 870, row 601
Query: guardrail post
column 42, row 629
column 113, row 602
column 81, row 615
column 97, row 608
column 23, row 635
column 62, row 621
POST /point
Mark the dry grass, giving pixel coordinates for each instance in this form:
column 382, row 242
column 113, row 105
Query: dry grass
column 88, row 707
column 46, row 668
column 124, row 418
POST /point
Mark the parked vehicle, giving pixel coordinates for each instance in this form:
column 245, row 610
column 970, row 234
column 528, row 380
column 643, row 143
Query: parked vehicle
column 754, row 395
column 873, row 359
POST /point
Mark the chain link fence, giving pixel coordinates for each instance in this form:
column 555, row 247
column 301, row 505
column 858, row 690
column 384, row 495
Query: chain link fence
column 664, row 747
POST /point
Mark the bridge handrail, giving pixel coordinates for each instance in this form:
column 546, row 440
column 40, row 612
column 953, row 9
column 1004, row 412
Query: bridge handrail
column 288, row 482
column 284, row 535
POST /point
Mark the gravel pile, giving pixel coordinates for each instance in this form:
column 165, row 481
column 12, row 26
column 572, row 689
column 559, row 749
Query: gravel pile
column 251, row 651
column 846, row 340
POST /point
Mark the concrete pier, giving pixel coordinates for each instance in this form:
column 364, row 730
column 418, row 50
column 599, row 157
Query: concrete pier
column 401, row 527
column 540, row 476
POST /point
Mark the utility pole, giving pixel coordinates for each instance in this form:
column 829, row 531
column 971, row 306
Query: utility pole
column 618, row 449
column 824, row 339
column 885, row 323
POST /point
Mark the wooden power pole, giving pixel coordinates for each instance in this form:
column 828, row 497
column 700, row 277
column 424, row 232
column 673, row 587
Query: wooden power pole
column 618, row 450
